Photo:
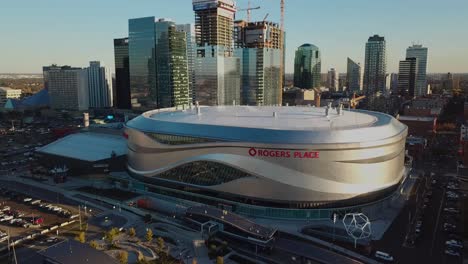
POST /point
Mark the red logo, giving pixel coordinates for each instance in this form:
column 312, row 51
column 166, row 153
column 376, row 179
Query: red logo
column 252, row 152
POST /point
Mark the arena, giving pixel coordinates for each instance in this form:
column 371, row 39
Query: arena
column 278, row 157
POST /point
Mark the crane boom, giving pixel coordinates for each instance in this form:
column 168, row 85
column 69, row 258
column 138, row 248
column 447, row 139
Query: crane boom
column 281, row 53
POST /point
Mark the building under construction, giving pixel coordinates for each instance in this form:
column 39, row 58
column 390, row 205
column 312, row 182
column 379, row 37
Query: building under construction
column 258, row 44
column 217, row 72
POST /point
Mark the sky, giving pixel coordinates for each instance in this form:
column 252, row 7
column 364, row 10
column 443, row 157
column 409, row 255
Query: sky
column 37, row 33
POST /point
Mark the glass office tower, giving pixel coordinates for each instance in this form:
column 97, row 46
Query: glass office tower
column 141, row 49
column 217, row 72
column 407, row 77
column 122, row 74
column 158, row 64
column 307, row 67
column 353, row 76
column 419, row 52
column 375, row 68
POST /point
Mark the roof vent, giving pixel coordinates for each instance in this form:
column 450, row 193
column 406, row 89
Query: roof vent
column 197, row 106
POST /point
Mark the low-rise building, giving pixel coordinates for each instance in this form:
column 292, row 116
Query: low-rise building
column 419, row 126
column 8, row 93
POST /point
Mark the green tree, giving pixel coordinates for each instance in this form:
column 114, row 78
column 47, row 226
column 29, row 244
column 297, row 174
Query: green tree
column 123, row 257
column 81, row 237
column 149, row 235
column 93, row 244
column 132, row 232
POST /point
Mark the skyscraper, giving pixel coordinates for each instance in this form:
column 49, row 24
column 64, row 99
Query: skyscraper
column 189, row 30
column 375, row 67
column 99, row 85
column 307, row 67
column 333, row 80
column 141, row 51
column 419, row 52
column 353, row 76
column 217, row 72
column 257, row 44
column 122, row 74
column 407, row 77
column 158, row 64
column 67, row 87
column 394, row 83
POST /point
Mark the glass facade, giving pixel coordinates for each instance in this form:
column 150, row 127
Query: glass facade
column 141, row 49
column 353, row 76
column 203, row 173
column 178, row 140
column 217, row 77
column 122, row 74
column 158, row 64
column 420, row 53
column 307, row 67
column 375, row 68
column 260, row 75
column 180, row 76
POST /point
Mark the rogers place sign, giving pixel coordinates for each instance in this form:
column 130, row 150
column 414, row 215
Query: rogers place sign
column 276, row 153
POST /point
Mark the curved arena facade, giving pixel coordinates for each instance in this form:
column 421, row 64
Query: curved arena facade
column 284, row 157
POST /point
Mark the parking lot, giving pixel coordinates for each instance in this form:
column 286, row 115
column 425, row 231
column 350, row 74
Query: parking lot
column 21, row 215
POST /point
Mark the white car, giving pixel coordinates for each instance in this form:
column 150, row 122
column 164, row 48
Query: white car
column 383, row 255
column 452, row 253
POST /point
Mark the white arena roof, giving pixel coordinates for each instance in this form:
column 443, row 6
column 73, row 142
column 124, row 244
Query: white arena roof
column 87, row 146
column 287, row 118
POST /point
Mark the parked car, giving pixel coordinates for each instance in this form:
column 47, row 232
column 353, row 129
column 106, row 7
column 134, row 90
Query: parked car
column 454, row 243
column 452, row 252
column 384, row 256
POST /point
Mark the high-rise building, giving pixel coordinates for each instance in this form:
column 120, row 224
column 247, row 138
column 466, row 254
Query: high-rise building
column 67, row 87
column 419, row 52
column 158, row 64
column 333, row 80
column 217, row 72
column 375, row 67
column 214, row 23
column 141, row 52
column 99, row 85
column 353, row 77
column 394, row 83
column 257, row 44
column 122, row 74
column 189, row 30
column 307, row 67
column 407, row 77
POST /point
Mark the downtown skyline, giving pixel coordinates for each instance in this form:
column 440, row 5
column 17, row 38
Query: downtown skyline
column 77, row 33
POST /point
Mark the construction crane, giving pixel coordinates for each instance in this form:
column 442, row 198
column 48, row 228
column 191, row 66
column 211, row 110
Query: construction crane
column 249, row 11
column 353, row 102
column 266, row 16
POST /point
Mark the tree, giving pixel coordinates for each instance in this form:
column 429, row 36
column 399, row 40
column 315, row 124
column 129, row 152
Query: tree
column 219, row 260
column 161, row 243
column 93, row 244
column 123, row 257
column 81, row 237
column 111, row 234
column 131, row 232
column 149, row 235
